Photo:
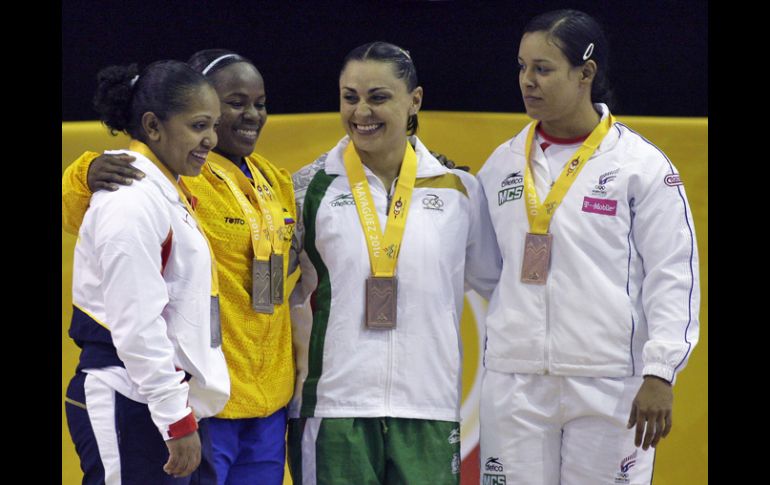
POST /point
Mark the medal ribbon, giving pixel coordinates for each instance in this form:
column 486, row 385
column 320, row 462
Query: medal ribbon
column 383, row 249
column 139, row 147
column 263, row 244
column 540, row 215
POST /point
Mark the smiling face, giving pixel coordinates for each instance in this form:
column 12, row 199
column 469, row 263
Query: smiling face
column 375, row 105
column 241, row 91
column 183, row 141
column 553, row 90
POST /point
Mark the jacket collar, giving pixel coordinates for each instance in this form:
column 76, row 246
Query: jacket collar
column 609, row 141
column 427, row 164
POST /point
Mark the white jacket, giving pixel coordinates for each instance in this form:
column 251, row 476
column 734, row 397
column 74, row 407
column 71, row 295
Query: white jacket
column 157, row 316
column 622, row 295
column 414, row 371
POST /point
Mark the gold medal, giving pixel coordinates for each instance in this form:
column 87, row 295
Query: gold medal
column 381, row 292
column 537, row 257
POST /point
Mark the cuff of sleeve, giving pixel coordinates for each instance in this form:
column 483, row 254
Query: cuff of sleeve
column 660, row 370
column 181, row 428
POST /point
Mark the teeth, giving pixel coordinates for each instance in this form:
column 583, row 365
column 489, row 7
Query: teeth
column 367, row 127
column 202, row 156
column 250, row 133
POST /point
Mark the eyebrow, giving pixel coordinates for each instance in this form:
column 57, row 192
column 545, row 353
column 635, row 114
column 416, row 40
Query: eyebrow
column 536, row 60
column 370, row 91
column 241, row 94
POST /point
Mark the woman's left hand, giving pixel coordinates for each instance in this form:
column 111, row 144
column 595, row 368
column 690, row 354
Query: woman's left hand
column 651, row 410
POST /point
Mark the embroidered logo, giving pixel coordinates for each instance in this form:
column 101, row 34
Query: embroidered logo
column 489, row 479
column 343, row 199
column 600, row 189
column 622, row 476
column 454, row 436
column 513, row 179
column 673, row 180
column 455, row 463
column 234, row 220
column 432, row 202
column 513, row 188
column 600, row 206
column 493, row 464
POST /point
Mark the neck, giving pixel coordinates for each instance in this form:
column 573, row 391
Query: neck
column 578, row 124
column 233, row 158
column 385, row 165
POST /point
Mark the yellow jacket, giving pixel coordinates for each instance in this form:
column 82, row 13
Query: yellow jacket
column 257, row 347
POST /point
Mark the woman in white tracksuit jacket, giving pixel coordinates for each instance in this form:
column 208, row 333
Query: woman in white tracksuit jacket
column 381, row 406
column 582, row 351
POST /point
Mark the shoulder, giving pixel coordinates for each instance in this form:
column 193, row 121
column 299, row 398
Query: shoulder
column 304, row 175
column 636, row 151
column 507, row 151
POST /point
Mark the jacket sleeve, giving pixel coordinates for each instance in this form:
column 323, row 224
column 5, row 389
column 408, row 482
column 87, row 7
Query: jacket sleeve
column 483, row 261
column 75, row 194
column 129, row 232
column 664, row 235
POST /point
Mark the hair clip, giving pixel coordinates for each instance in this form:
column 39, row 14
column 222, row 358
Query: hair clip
column 134, row 79
column 589, row 51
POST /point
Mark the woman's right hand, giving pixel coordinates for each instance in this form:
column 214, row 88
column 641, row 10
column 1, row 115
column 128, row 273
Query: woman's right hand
column 108, row 172
column 184, row 455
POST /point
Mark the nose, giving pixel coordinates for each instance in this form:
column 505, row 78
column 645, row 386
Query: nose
column 363, row 109
column 251, row 113
column 210, row 140
column 527, row 77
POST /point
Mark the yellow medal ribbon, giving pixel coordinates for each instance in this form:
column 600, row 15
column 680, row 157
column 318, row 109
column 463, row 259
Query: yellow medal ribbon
column 263, row 244
column 540, row 215
column 271, row 207
column 139, row 147
column 383, row 249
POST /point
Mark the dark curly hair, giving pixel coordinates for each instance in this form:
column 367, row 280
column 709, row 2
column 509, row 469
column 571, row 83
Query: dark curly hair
column 123, row 94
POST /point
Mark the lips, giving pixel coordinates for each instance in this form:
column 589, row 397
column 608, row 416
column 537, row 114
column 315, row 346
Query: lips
column 200, row 156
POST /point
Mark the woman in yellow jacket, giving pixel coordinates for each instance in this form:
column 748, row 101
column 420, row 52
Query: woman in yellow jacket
column 246, row 207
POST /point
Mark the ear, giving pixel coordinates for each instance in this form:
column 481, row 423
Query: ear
column 416, row 100
column 151, row 125
column 588, row 71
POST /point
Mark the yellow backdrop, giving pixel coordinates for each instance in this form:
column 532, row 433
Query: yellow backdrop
column 292, row 141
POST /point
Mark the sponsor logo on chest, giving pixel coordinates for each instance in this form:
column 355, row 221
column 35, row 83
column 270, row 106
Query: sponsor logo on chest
column 512, row 188
column 343, row 200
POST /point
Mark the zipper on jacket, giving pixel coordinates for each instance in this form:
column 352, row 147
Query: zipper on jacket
column 546, row 354
column 390, row 195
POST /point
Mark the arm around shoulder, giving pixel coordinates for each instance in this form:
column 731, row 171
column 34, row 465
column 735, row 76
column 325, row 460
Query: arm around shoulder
column 75, row 194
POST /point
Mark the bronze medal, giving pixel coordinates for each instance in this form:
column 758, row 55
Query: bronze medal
column 537, row 256
column 276, row 278
column 381, row 302
column 261, row 299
